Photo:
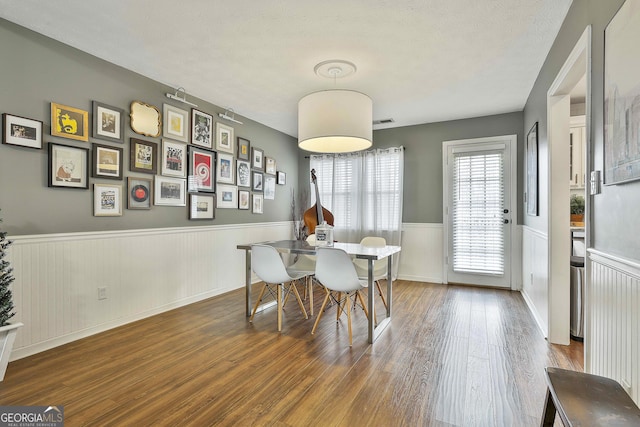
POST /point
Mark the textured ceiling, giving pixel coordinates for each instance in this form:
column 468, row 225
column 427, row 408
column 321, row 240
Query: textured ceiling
column 420, row 61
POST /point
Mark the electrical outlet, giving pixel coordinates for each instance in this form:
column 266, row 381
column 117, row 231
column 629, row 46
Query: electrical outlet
column 102, row 293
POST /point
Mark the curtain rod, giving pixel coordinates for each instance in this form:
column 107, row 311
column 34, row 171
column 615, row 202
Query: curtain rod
column 401, row 148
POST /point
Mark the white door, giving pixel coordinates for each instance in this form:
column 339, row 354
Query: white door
column 477, row 210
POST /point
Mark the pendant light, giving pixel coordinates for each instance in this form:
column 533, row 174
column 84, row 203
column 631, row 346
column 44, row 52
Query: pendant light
column 337, row 120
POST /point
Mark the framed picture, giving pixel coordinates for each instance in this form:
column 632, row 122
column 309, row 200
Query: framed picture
column 227, row 196
column 243, row 149
column 202, row 167
column 145, row 119
column 269, row 187
column 224, row 138
column 174, row 159
column 176, row 123
column 108, row 122
column 21, row 131
column 139, row 193
column 225, row 170
column 170, row 191
column 243, row 176
column 256, row 180
column 622, row 95
column 107, row 162
column 69, row 122
column 281, row 178
column 142, row 156
column 202, row 206
column 201, row 129
column 257, row 158
column 243, row 199
column 257, row 204
column 68, row 166
column 270, row 165
column 531, row 195
column 107, row 200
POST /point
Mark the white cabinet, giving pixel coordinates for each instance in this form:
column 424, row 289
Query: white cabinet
column 577, row 152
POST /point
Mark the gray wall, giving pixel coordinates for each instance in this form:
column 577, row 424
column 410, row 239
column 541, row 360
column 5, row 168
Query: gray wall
column 423, row 158
column 37, row 71
column 614, row 212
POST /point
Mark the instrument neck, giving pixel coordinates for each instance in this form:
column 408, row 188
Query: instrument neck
column 318, row 205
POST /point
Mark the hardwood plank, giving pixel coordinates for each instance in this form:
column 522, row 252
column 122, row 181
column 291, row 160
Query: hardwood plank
column 452, row 355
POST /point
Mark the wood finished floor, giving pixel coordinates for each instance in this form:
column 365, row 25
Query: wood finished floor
column 452, row 355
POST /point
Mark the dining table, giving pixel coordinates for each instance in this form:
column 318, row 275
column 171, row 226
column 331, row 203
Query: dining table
column 371, row 254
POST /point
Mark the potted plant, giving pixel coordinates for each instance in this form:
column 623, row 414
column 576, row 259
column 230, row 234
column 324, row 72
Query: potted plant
column 577, row 208
column 8, row 330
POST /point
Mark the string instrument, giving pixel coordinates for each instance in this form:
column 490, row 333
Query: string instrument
column 316, row 214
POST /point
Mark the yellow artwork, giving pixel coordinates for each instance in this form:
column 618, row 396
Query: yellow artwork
column 69, row 122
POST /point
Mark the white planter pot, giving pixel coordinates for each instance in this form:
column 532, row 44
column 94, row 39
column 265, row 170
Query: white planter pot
column 7, row 337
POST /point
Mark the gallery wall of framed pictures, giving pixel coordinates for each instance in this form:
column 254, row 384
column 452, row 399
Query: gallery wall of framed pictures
column 197, row 163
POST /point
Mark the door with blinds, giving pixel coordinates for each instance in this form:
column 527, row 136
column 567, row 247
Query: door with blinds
column 477, row 211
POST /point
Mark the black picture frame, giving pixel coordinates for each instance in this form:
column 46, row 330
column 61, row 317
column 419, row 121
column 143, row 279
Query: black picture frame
column 21, row 131
column 244, row 149
column 139, row 193
column 202, row 171
column 143, row 156
column 107, row 162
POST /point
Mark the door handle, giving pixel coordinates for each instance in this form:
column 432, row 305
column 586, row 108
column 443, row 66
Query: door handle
column 506, row 221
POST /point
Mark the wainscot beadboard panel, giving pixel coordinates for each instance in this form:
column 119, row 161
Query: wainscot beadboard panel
column 613, row 320
column 144, row 272
column 421, row 257
column 535, row 275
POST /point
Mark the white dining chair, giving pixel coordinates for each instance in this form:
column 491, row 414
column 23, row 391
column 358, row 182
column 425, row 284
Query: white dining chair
column 336, row 272
column 379, row 266
column 306, row 264
column 269, row 267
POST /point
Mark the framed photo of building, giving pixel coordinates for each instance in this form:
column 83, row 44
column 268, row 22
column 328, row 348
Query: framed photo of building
column 142, row 156
column 176, row 123
column 69, row 122
column 202, row 206
column 68, row 166
column 21, row 131
column 140, row 193
column 201, row 129
column 107, row 162
column 170, row 191
column 174, row 159
column 108, row 122
column 107, row 200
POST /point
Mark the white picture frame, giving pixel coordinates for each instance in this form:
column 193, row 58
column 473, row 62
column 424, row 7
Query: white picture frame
column 269, row 187
column 227, row 196
column 224, row 138
column 107, row 199
column 225, row 171
column 170, row 191
column 243, row 173
column 257, row 204
column 176, row 123
column 173, row 159
column 202, row 206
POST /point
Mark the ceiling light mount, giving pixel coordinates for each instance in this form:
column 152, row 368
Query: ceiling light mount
column 335, row 69
column 177, row 97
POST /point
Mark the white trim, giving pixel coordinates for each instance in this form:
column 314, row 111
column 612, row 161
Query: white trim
column 623, row 265
column 538, row 233
column 534, row 312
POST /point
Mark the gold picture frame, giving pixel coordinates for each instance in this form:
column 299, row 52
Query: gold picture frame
column 69, row 122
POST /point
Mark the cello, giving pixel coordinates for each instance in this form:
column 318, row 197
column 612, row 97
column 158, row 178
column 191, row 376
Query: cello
column 316, row 214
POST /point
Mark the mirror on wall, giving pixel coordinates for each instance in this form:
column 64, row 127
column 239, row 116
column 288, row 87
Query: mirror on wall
column 145, row 119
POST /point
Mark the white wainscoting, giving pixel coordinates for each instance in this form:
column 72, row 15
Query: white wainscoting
column 535, row 275
column 612, row 340
column 421, row 257
column 145, row 272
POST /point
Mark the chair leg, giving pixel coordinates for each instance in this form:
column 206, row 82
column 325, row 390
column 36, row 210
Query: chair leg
column 310, row 289
column 348, row 305
column 549, row 415
column 295, row 291
column 324, row 304
column 381, row 295
column 361, row 300
column 340, row 306
column 279, row 297
column 264, row 288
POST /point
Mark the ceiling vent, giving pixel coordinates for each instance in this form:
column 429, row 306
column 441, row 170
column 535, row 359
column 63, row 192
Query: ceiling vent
column 383, row 121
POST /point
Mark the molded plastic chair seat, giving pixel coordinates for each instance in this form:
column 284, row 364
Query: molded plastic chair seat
column 336, row 272
column 269, row 267
column 379, row 266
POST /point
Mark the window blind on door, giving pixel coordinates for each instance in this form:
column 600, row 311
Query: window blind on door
column 477, row 217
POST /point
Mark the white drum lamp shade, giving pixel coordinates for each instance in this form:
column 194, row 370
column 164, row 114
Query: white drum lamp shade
column 335, row 121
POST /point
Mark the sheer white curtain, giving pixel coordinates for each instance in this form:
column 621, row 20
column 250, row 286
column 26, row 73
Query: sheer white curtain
column 363, row 191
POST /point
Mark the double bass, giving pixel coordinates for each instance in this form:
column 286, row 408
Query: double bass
column 316, row 214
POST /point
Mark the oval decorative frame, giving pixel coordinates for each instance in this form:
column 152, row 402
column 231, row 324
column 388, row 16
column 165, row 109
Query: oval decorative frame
column 145, row 119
